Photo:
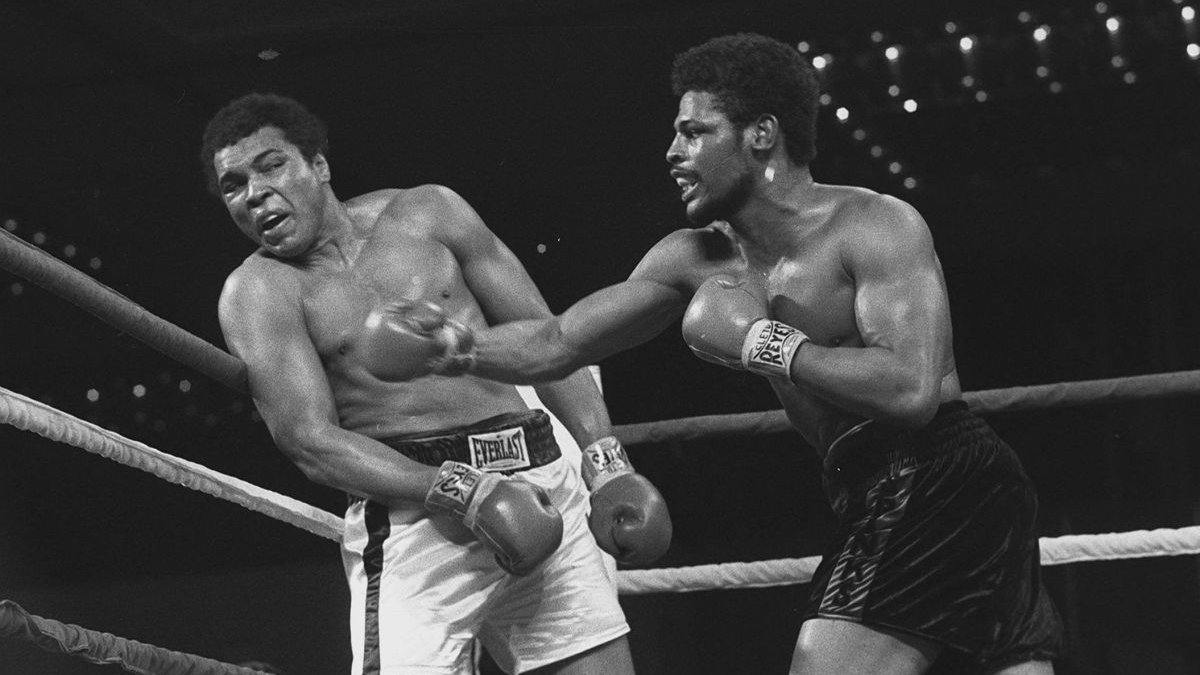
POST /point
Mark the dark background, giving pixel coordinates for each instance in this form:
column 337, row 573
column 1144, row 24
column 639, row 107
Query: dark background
column 1064, row 208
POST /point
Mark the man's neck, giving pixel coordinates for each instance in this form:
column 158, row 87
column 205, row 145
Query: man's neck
column 340, row 240
column 770, row 222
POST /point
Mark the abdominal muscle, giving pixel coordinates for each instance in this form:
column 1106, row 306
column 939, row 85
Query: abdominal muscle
column 432, row 404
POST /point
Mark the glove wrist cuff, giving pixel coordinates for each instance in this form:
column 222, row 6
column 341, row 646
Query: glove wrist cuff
column 459, row 489
column 603, row 460
column 769, row 348
column 458, row 349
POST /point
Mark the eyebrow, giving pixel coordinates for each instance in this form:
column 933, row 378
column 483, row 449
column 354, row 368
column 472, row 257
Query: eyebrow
column 255, row 160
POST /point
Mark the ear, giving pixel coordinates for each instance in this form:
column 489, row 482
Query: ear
column 321, row 166
column 763, row 133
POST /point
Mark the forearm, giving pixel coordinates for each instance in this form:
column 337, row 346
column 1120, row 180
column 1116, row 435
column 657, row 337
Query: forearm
column 604, row 323
column 356, row 464
column 873, row 382
column 527, row 352
column 576, row 401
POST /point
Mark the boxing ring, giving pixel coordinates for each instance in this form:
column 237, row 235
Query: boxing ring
column 25, row 413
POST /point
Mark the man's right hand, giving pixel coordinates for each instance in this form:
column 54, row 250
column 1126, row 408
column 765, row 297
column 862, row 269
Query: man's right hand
column 514, row 518
column 407, row 339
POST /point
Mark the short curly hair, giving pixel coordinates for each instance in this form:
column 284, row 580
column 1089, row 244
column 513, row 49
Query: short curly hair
column 245, row 115
column 751, row 75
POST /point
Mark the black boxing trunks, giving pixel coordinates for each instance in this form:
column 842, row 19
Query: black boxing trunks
column 936, row 538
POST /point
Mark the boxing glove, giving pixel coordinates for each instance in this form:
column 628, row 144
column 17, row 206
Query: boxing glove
column 407, row 339
column 629, row 517
column 726, row 324
column 512, row 517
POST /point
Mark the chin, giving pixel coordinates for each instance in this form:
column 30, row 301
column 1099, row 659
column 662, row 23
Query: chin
column 700, row 215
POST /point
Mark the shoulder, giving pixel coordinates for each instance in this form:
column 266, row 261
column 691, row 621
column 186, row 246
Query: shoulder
column 430, row 210
column 687, row 256
column 875, row 227
column 870, row 212
column 710, row 243
column 404, row 201
column 260, row 281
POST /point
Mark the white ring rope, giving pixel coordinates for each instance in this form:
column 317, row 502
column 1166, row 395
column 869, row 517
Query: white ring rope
column 31, row 415
column 106, row 649
column 788, row 571
column 43, row 420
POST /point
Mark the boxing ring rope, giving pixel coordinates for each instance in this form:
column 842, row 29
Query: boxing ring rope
column 38, row 267
column 1037, row 397
column 105, row 648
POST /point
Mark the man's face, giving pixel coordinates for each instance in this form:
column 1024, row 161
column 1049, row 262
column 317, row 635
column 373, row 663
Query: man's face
column 273, row 194
column 708, row 158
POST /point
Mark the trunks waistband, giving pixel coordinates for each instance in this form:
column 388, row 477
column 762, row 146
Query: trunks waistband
column 505, row 443
column 871, row 446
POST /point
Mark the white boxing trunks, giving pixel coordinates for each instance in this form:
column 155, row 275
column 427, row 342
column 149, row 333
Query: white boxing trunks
column 422, row 588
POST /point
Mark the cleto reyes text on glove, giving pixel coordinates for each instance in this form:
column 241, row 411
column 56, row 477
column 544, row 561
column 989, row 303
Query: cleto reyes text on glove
column 726, row 324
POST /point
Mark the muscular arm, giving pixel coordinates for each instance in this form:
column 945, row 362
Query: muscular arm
column 506, row 293
column 604, row 323
column 610, row 320
column 901, row 309
column 263, row 324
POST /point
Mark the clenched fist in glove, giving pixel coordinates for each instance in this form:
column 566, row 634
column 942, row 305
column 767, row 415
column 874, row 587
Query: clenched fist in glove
column 629, row 517
column 726, row 324
column 514, row 518
column 408, row 339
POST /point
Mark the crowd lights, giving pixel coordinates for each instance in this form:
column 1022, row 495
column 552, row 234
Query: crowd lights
column 145, row 394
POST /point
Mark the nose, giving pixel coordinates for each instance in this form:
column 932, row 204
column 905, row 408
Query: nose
column 675, row 150
column 257, row 191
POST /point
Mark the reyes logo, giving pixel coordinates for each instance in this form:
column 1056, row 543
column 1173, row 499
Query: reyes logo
column 768, row 346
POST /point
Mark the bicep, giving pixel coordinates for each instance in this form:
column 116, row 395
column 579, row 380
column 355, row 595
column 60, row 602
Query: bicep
column 622, row 316
column 900, row 297
column 286, row 376
column 497, row 279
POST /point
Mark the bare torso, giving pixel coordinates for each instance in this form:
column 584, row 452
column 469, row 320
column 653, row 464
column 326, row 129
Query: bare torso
column 400, row 257
column 805, row 283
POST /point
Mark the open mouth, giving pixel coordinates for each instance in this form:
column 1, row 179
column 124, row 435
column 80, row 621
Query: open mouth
column 687, row 186
column 265, row 225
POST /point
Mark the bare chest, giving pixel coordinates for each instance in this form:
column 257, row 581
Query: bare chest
column 814, row 293
column 336, row 302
